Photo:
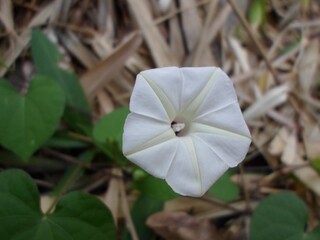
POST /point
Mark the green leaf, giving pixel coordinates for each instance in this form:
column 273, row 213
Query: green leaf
column 143, row 208
column 45, row 53
column 27, row 121
column 314, row 235
column 107, row 133
column 281, row 216
column 257, row 12
column 316, row 165
column 154, row 188
column 36, row 164
column 62, row 140
column 78, row 216
column 111, row 126
column 224, row 189
column 46, row 56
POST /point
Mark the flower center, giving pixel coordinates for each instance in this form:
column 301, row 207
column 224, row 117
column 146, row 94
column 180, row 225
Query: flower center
column 179, row 127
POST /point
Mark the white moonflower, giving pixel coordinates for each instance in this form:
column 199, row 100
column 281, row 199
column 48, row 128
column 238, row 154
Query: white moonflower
column 185, row 126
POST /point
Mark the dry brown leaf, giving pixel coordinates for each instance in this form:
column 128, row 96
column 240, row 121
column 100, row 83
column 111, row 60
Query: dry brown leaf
column 277, row 145
column 191, row 23
column 102, row 47
column 307, row 175
column 240, row 53
column 126, row 210
column 112, row 196
column 247, row 180
column 105, row 103
column 6, row 16
column 77, row 49
column 96, row 77
column 23, row 39
column 209, row 32
column 308, row 64
column 311, row 138
column 271, row 99
column 158, row 47
column 176, row 41
column 45, row 202
column 181, row 226
column 290, row 151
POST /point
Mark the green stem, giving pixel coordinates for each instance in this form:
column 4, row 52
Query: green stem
column 64, row 188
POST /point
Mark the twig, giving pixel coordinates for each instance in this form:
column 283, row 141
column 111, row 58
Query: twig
column 247, row 27
column 126, row 210
column 219, row 203
column 64, row 188
column 245, row 189
column 178, row 11
column 62, row 156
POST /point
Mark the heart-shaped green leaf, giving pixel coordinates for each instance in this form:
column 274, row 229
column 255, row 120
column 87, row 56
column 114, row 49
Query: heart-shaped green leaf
column 281, row 216
column 77, row 216
column 107, row 134
column 27, row 121
column 46, row 57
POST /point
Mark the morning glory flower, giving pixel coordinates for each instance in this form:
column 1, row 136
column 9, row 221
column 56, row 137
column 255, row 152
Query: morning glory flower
column 185, row 126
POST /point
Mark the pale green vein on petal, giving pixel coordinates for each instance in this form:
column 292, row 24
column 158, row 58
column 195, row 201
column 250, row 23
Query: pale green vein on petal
column 193, row 155
column 216, row 109
column 196, row 102
column 166, row 136
column 204, row 128
column 168, row 106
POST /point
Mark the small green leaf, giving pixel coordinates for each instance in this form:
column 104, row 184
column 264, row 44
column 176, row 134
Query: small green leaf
column 154, row 188
column 107, row 133
column 257, row 12
column 316, row 165
column 224, row 189
column 45, row 53
column 46, row 56
column 281, row 216
column 27, row 121
column 111, row 126
column 78, row 216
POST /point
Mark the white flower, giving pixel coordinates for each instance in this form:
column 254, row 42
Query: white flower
column 185, row 126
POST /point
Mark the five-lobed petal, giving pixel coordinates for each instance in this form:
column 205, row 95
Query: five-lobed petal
column 214, row 135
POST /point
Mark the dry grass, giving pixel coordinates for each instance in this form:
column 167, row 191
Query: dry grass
column 275, row 68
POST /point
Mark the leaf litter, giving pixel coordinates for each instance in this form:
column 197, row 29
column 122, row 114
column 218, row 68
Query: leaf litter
column 274, row 65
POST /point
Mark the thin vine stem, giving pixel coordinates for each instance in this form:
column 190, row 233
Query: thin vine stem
column 64, row 188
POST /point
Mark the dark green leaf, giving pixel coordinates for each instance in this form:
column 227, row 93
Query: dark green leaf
column 224, row 189
column 27, row 121
column 154, row 188
column 316, row 165
column 45, row 53
column 36, row 164
column 281, row 216
column 107, row 134
column 77, row 216
column 46, row 56
column 64, row 141
column 111, row 126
